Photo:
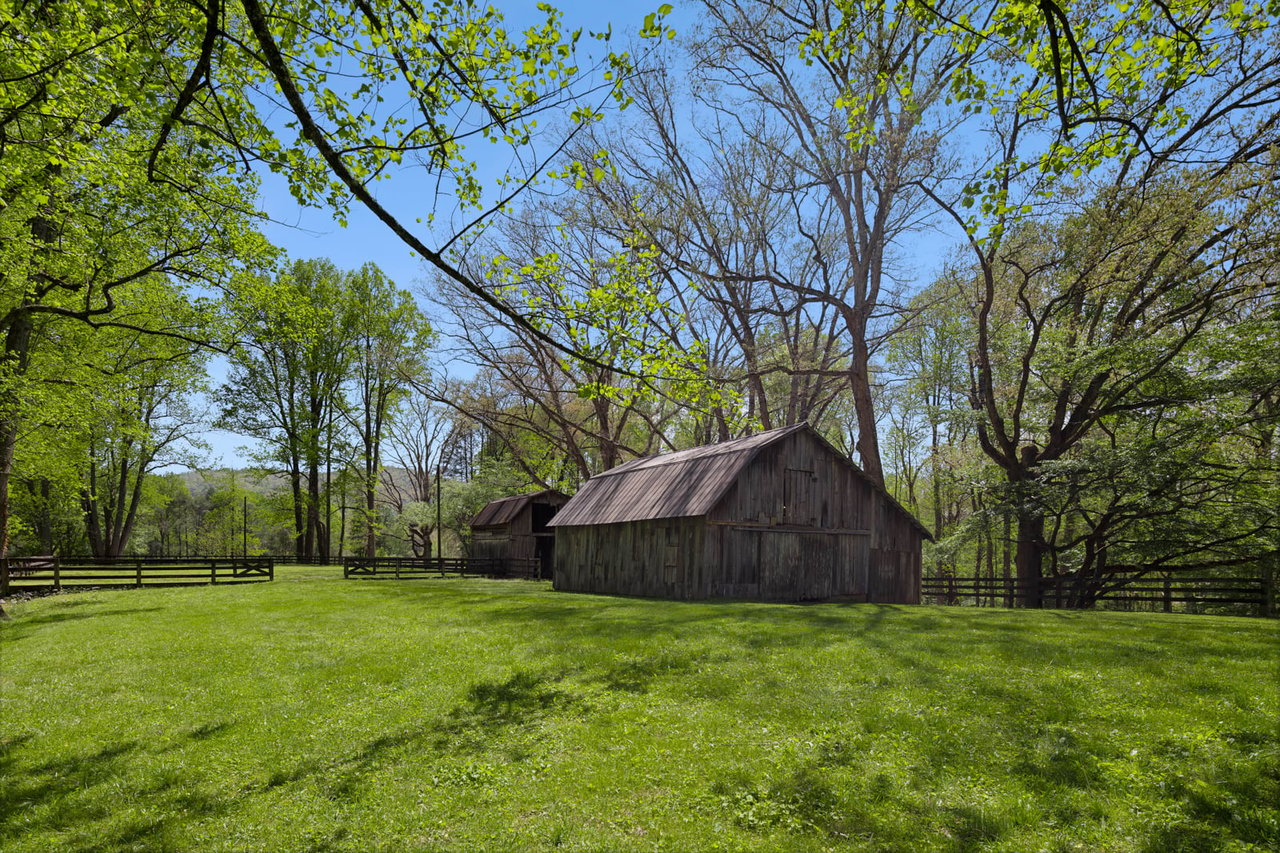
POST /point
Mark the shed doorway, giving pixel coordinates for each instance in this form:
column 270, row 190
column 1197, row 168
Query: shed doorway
column 544, row 551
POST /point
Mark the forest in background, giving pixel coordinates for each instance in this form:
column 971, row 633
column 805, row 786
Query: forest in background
column 1085, row 383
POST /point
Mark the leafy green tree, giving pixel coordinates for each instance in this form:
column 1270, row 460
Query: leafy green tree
column 389, row 345
column 141, row 419
column 1139, row 136
column 928, row 362
column 221, row 518
column 565, row 418
column 1102, row 348
column 101, row 190
column 166, row 507
column 128, row 136
column 285, row 384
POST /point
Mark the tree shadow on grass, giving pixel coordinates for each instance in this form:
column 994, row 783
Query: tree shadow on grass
column 476, row 725
column 65, row 794
column 637, row 674
column 490, row 709
column 24, row 626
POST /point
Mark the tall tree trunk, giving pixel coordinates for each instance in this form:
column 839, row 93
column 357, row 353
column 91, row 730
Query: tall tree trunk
column 1029, row 559
column 1005, row 557
column 937, row 481
column 342, row 522
column 313, row 508
column 89, row 503
column 299, row 521
column 868, row 444
column 370, row 509
column 17, row 353
column 130, row 516
column 370, row 487
column 326, row 543
column 991, row 560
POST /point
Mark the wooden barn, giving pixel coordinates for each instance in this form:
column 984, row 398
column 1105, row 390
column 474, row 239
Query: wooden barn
column 779, row 516
column 515, row 528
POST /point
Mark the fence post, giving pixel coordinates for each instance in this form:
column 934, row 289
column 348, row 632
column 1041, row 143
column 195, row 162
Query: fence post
column 213, row 571
column 1168, row 595
column 57, row 573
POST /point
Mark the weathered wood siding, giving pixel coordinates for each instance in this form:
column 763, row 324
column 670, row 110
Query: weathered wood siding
column 895, row 557
column 662, row 558
column 489, row 543
column 773, row 564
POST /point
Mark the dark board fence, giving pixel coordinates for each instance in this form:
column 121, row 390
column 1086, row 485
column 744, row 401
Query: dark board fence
column 1251, row 595
column 404, row 568
column 42, row 573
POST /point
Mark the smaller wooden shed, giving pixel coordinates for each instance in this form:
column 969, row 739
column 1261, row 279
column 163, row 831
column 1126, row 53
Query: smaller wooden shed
column 515, row 528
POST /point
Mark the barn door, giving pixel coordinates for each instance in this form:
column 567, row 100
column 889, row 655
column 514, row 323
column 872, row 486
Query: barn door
column 797, row 566
column 798, row 504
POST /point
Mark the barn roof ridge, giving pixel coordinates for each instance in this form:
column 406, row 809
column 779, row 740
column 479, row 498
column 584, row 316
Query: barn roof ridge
column 746, row 444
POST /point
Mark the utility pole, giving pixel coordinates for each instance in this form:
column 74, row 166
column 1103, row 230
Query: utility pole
column 439, row 529
column 244, row 528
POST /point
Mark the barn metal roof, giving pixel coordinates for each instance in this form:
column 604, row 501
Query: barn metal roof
column 683, row 484
column 504, row 510
column 673, row 485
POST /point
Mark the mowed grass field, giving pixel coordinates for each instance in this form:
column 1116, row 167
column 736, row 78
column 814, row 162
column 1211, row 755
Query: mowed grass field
column 315, row 713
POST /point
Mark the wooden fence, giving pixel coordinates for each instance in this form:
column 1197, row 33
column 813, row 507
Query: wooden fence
column 403, row 568
column 1253, row 595
column 42, row 573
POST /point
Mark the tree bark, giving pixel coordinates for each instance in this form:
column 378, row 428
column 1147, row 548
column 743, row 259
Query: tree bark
column 17, row 353
column 299, row 522
column 868, row 444
column 1029, row 559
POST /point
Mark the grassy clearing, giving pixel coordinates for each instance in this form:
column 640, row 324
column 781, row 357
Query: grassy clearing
column 322, row 714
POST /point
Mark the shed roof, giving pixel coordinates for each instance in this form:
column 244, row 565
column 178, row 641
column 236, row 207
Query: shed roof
column 683, row 484
column 504, row 510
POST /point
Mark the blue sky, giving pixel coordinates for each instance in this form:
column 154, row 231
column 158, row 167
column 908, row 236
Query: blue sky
column 307, row 233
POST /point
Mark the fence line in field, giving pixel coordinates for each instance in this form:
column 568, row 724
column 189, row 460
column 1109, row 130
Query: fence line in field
column 50, row 572
column 404, row 568
column 1141, row 589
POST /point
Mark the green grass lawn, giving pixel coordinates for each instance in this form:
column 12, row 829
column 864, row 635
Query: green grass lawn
column 315, row 713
